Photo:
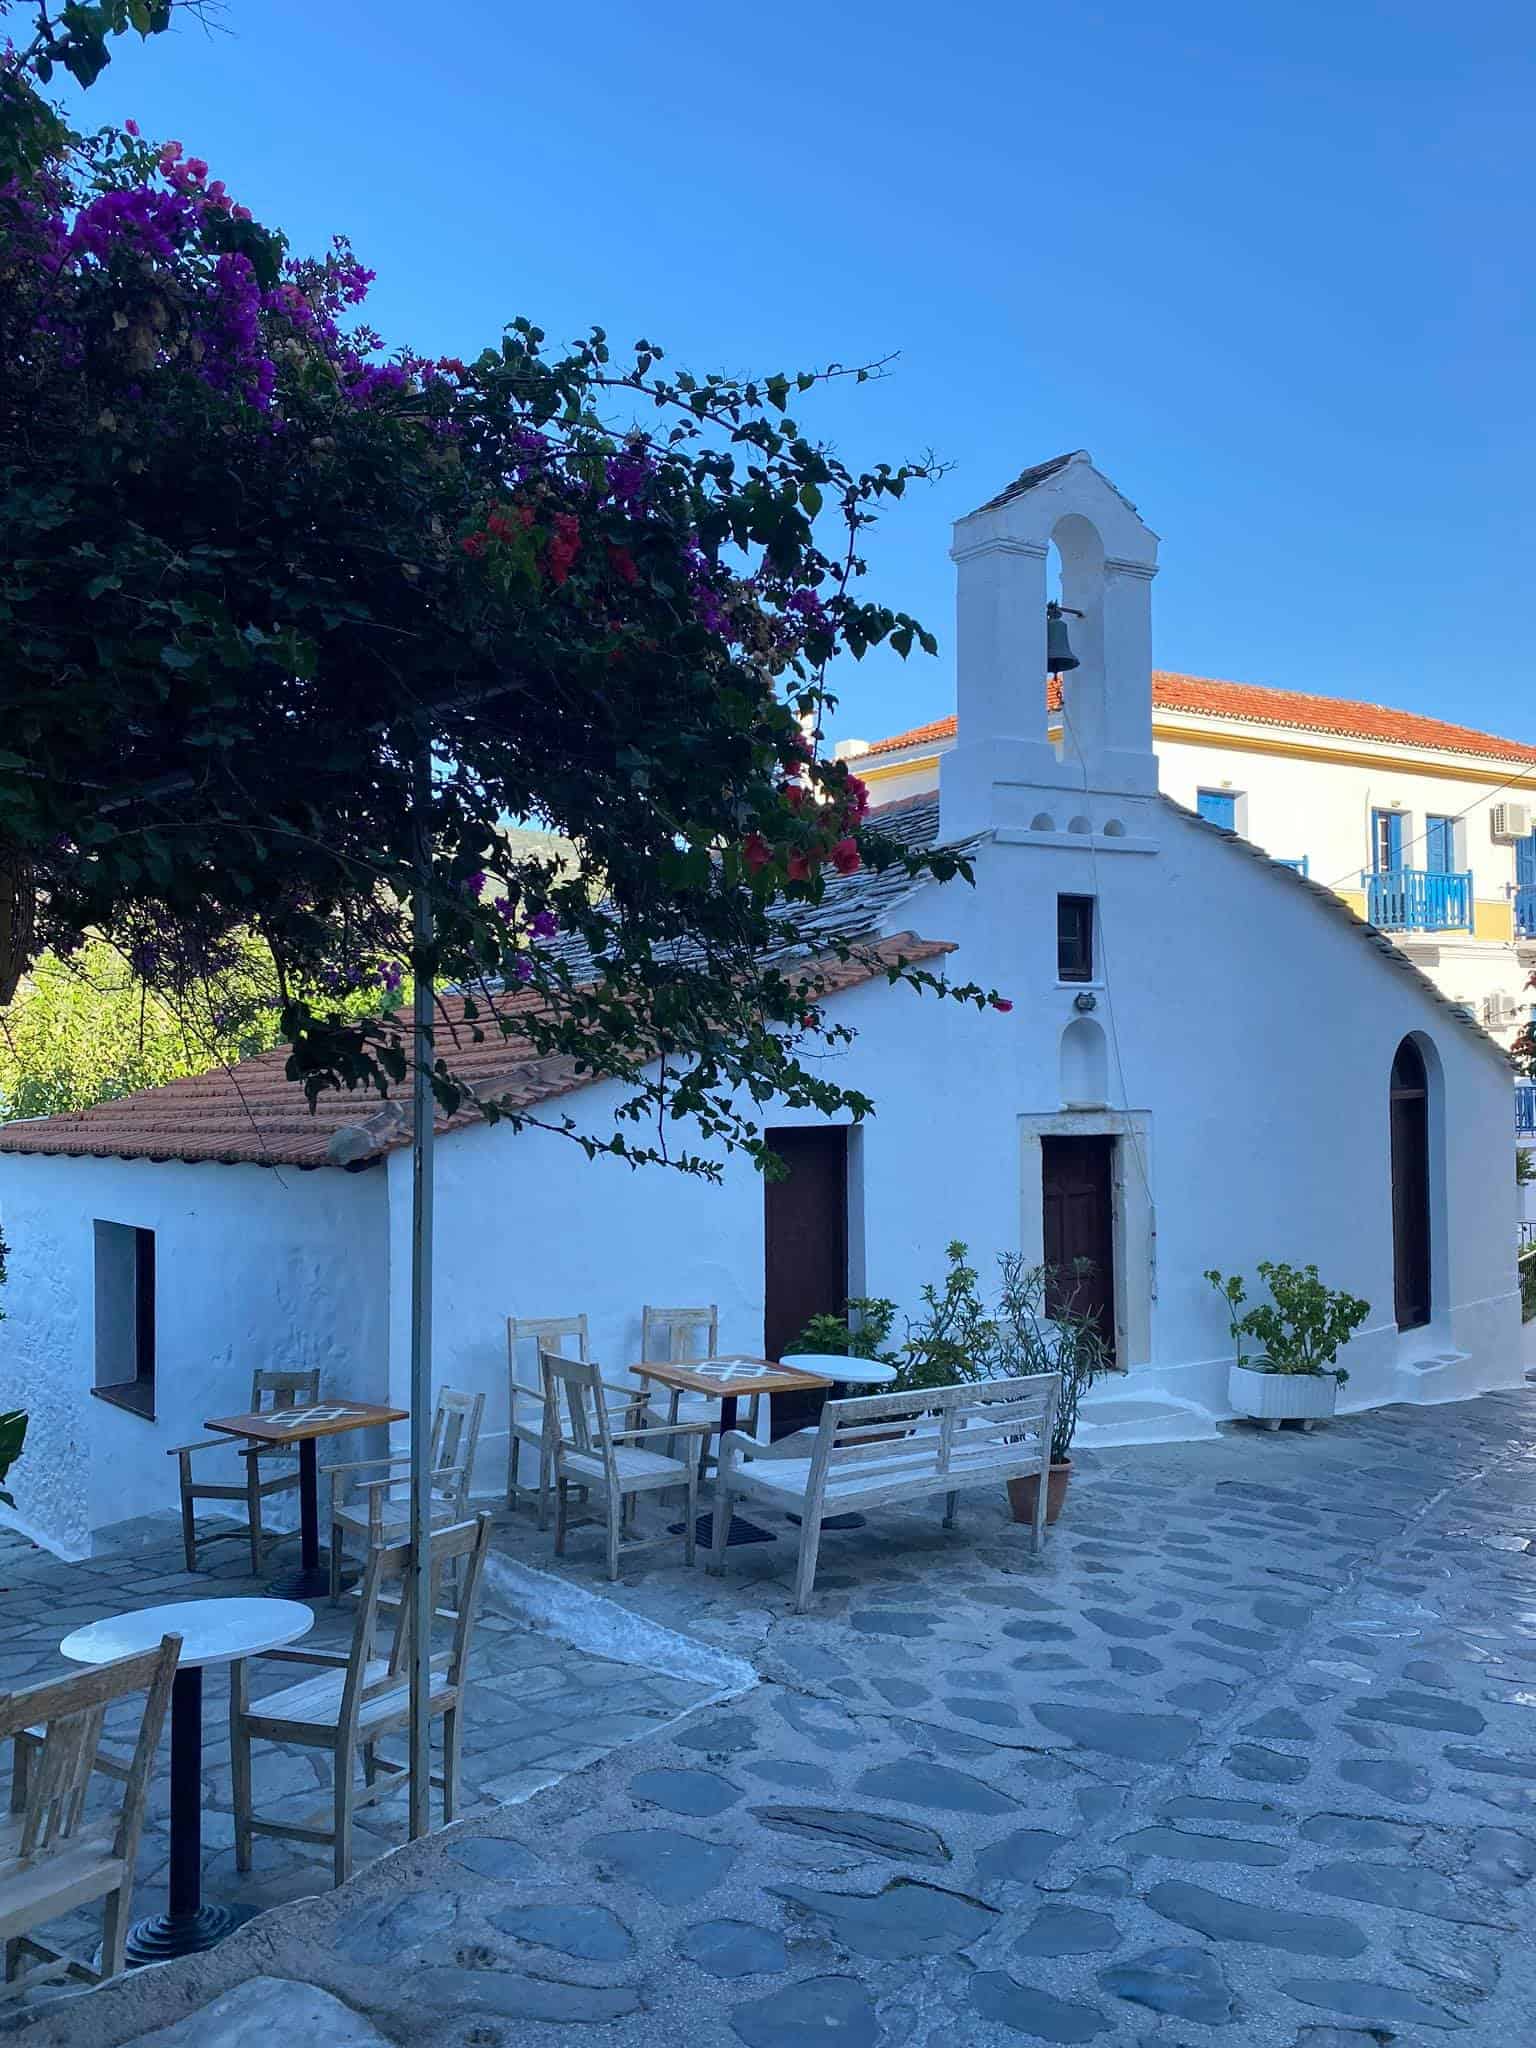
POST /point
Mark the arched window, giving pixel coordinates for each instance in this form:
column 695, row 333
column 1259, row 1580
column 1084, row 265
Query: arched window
column 1410, row 1187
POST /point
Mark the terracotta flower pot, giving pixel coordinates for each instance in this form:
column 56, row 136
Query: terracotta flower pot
column 1021, row 1493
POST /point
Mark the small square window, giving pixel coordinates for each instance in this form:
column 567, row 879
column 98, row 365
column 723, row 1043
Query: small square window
column 1074, row 938
column 125, row 1317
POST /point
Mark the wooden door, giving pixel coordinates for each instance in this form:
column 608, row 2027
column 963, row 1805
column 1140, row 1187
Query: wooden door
column 1410, row 1188
column 1080, row 1230
column 805, row 1240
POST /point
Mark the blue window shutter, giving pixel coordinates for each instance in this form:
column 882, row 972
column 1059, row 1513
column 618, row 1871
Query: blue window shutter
column 1218, row 807
column 1439, row 845
column 1525, row 859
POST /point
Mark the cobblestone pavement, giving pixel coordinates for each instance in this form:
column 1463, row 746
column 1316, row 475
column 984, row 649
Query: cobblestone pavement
column 537, row 1708
column 1248, row 1757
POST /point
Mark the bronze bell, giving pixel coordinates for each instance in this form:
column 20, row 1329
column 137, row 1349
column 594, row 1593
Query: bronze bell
column 1058, row 648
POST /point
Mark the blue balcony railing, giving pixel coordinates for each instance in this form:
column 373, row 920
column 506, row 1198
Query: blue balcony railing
column 1414, row 900
column 1525, row 1108
column 1525, row 910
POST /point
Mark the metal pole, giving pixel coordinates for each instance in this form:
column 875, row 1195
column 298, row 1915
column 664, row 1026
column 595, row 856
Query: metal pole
column 418, row 1588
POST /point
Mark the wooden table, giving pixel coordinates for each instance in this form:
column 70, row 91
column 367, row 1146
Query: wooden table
column 212, row 1632
column 733, row 1377
column 304, row 1427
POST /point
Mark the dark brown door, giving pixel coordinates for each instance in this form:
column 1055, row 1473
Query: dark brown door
column 1410, row 1188
column 805, row 1236
column 1080, row 1230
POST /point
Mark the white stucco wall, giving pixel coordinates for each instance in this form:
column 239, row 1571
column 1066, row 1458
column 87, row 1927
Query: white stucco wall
column 526, row 1225
column 254, row 1267
column 1256, row 1080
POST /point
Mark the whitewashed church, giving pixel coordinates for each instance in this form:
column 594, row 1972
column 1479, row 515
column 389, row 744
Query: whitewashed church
column 1198, row 1071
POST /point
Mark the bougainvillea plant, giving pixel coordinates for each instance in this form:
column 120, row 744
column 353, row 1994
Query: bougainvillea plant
column 251, row 565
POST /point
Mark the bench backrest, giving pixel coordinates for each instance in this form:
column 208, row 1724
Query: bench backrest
column 933, row 1432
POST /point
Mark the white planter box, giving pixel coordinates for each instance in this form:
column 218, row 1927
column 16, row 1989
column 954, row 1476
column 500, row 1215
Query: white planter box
column 1276, row 1397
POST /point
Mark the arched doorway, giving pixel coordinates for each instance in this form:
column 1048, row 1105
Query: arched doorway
column 1412, row 1279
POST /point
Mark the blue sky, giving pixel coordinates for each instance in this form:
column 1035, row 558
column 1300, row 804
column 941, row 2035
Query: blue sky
column 1269, row 263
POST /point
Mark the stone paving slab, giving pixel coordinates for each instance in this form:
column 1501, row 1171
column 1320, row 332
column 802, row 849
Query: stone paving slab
column 1248, row 1756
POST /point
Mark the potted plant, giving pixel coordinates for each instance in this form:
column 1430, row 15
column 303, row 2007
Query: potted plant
column 1300, row 1331
column 1064, row 1341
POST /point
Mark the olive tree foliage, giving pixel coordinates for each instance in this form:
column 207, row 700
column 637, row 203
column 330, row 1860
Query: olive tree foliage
column 256, row 570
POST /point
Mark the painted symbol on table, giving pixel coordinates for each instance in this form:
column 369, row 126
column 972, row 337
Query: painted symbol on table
column 295, row 1418
column 732, row 1372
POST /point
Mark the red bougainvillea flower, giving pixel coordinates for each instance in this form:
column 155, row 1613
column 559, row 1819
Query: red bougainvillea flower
column 845, row 857
column 623, row 563
column 756, row 853
column 808, row 1021
column 857, row 802
column 802, row 866
column 499, row 526
column 473, row 544
column 564, row 547
column 1001, row 1003
column 793, row 795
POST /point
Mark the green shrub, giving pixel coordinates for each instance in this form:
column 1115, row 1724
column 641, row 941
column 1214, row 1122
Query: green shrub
column 860, row 1332
column 958, row 1339
column 1301, row 1328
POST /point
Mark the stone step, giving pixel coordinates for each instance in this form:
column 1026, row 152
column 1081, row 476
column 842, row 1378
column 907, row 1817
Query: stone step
column 1112, row 1417
column 1440, row 1376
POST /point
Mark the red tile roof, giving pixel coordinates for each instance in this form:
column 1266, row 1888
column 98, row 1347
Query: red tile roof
column 252, row 1114
column 1256, row 705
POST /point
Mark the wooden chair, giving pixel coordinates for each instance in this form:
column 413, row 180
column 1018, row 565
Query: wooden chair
column 54, row 1855
column 589, row 1451
column 531, row 1417
column 356, row 1699
column 269, row 1390
column 379, row 1509
column 674, row 1335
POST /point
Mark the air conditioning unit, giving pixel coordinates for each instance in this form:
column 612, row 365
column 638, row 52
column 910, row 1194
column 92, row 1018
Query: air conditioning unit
column 1509, row 821
column 1500, row 1010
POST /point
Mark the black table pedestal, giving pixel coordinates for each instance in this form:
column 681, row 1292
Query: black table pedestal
column 312, row 1579
column 187, row 1925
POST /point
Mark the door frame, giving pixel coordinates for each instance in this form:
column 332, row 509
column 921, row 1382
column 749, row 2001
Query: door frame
column 1133, row 1213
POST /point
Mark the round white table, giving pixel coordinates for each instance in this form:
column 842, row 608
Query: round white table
column 212, row 1632
column 869, row 1373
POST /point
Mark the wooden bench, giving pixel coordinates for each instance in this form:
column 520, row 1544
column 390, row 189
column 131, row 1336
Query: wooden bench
column 892, row 1447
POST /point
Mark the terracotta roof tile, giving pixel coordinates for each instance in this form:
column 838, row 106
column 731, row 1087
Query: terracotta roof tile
column 252, row 1114
column 1256, row 705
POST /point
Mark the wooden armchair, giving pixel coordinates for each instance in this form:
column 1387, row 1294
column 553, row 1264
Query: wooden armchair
column 378, row 1510
column 673, row 1336
column 269, row 1390
column 589, row 1452
column 54, row 1854
column 531, row 1418
column 353, row 1700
